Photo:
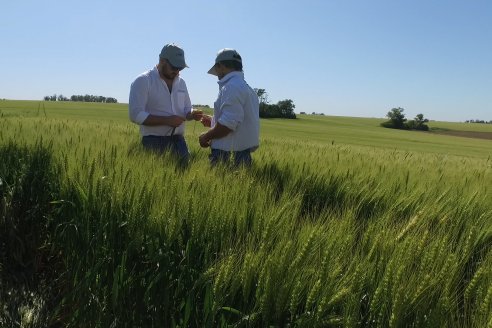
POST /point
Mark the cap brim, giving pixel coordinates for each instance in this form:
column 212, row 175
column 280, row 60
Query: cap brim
column 179, row 64
column 212, row 71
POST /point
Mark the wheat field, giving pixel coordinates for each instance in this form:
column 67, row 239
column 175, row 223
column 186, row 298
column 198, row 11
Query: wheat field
column 340, row 223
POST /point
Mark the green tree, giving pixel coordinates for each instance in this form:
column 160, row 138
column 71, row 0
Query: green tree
column 262, row 95
column 283, row 109
column 419, row 123
column 397, row 118
column 286, row 108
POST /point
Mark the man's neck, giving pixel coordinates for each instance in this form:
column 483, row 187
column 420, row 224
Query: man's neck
column 168, row 81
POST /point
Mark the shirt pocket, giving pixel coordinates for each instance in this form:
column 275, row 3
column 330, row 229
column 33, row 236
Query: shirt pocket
column 180, row 100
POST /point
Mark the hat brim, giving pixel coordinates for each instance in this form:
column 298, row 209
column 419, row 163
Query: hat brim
column 180, row 63
column 213, row 71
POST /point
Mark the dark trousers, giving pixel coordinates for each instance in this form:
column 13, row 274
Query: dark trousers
column 175, row 144
column 232, row 158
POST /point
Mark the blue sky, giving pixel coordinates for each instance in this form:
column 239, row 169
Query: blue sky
column 346, row 58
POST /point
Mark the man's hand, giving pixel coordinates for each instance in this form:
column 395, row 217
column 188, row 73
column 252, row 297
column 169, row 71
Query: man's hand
column 204, row 140
column 217, row 132
column 206, row 120
column 174, row 121
column 195, row 114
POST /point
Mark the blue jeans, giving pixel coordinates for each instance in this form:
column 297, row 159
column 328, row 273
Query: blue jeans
column 175, row 144
column 232, row 158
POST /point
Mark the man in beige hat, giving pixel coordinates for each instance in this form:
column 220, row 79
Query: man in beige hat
column 159, row 102
column 235, row 125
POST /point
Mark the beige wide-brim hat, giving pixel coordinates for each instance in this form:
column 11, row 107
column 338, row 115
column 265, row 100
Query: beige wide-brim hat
column 225, row 54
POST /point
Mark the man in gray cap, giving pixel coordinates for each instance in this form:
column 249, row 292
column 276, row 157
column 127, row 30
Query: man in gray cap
column 159, row 102
column 235, row 125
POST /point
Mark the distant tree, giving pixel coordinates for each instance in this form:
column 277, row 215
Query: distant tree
column 111, row 100
column 286, row 108
column 283, row 109
column 86, row 98
column 419, row 123
column 262, row 95
column 269, row 110
column 396, row 118
column 479, row 121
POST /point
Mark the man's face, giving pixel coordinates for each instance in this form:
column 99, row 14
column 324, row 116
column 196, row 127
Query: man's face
column 168, row 71
column 220, row 69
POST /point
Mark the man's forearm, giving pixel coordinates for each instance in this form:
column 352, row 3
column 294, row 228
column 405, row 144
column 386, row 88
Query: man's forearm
column 217, row 132
column 154, row 120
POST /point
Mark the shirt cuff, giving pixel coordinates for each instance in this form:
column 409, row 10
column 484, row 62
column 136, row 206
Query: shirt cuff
column 141, row 117
column 230, row 125
column 188, row 113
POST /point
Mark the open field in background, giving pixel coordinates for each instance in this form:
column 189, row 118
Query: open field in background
column 340, row 223
column 315, row 129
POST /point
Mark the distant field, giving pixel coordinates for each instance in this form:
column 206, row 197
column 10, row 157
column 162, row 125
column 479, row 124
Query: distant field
column 315, row 129
column 466, row 134
column 61, row 109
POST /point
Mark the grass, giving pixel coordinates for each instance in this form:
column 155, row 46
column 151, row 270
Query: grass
column 340, row 223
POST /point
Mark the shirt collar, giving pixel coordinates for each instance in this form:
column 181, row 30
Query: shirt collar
column 155, row 71
column 229, row 76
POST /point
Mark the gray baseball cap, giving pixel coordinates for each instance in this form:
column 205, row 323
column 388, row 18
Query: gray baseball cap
column 225, row 54
column 174, row 54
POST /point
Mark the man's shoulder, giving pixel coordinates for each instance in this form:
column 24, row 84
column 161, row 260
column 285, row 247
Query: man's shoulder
column 146, row 74
column 236, row 85
column 144, row 78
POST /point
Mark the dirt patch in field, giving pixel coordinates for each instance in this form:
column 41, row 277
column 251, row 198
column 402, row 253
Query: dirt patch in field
column 467, row 134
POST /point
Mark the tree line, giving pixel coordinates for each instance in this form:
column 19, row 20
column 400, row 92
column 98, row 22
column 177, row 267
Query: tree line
column 478, row 121
column 81, row 98
column 282, row 109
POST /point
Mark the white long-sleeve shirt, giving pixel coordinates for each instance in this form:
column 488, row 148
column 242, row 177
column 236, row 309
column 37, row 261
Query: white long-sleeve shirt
column 149, row 94
column 237, row 108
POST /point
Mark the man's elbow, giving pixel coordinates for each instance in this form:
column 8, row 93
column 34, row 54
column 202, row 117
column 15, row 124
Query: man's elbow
column 137, row 116
column 230, row 126
column 132, row 117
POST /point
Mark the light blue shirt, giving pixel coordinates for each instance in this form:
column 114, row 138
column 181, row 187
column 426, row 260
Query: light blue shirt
column 237, row 108
column 149, row 94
